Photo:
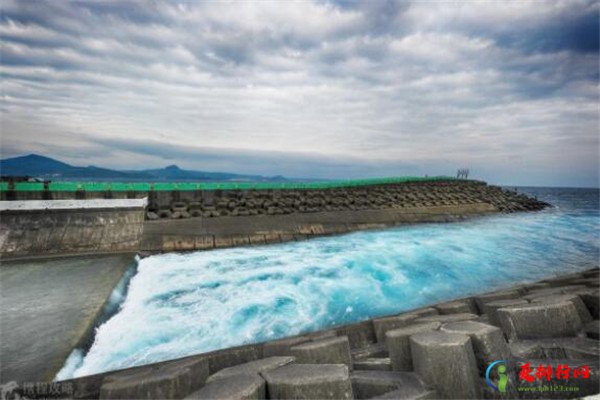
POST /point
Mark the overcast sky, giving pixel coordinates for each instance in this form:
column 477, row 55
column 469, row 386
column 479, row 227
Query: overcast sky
column 307, row 89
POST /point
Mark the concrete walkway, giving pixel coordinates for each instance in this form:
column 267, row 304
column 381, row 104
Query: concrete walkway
column 47, row 306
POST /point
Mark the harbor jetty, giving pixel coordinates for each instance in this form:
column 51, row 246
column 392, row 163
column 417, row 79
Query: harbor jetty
column 188, row 216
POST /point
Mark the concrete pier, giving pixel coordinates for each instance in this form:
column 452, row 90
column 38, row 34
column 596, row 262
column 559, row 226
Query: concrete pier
column 48, row 307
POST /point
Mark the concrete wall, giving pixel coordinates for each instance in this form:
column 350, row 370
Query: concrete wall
column 25, row 233
column 207, row 233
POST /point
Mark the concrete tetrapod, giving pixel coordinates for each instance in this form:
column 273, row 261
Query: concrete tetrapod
column 398, row 344
column 382, row 325
column 457, row 306
column 447, row 362
column 488, row 342
column 553, row 291
column 490, row 308
column 242, row 387
column 309, row 381
column 591, row 299
column 448, row 318
column 540, row 320
column 282, row 347
column 582, row 310
column 360, row 335
column 252, row 367
column 371, row 350
column 369, row 384
column 166, row 381
column 373, row 364
column 503, row 295
column 334, row 350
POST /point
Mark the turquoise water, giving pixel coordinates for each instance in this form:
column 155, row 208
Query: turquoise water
column 182, row 304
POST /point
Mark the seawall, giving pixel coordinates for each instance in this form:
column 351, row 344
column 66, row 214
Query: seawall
column 440, row 351
column 234, row 203
column 219, row 232
column 181, row 220
column 216, row 219
column 43, row 228
column 185, row 201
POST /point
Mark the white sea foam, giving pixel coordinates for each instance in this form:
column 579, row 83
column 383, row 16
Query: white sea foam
column 72, row 363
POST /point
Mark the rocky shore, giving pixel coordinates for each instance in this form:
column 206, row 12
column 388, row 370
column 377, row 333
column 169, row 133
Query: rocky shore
column 544, row 334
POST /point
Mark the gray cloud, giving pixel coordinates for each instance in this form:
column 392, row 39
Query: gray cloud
column 323, row 89
column 259, row 162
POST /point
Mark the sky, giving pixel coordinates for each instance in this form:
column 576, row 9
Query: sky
column 320, row 89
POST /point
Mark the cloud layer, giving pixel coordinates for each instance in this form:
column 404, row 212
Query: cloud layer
column 308, row 89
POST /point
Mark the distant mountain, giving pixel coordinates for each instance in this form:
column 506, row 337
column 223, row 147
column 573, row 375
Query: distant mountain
column 31, row 165
column 173, row 172
column 35, row 165
column 49, row 168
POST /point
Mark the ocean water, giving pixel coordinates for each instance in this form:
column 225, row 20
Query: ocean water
column 182, row 304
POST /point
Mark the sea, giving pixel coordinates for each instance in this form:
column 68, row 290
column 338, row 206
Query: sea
column 179, row 304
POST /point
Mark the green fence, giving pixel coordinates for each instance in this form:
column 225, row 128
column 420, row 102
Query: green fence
column 29, row 186
column 187, row 186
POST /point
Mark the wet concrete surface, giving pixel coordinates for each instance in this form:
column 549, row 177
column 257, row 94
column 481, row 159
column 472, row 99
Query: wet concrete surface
column 47, row 306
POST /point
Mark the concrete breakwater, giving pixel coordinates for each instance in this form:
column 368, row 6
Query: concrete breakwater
column 43, row 228
column 185, row 203
column 441, row 351
column 246, row 217
column 234, row 203
column 204, row 219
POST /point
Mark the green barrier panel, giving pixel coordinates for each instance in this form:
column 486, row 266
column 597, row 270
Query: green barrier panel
column 141, row 187
column 93, row 186
column 62, row 186
column 117, row 186
column 29, row 186
column 186, row 186
column 160, row 186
